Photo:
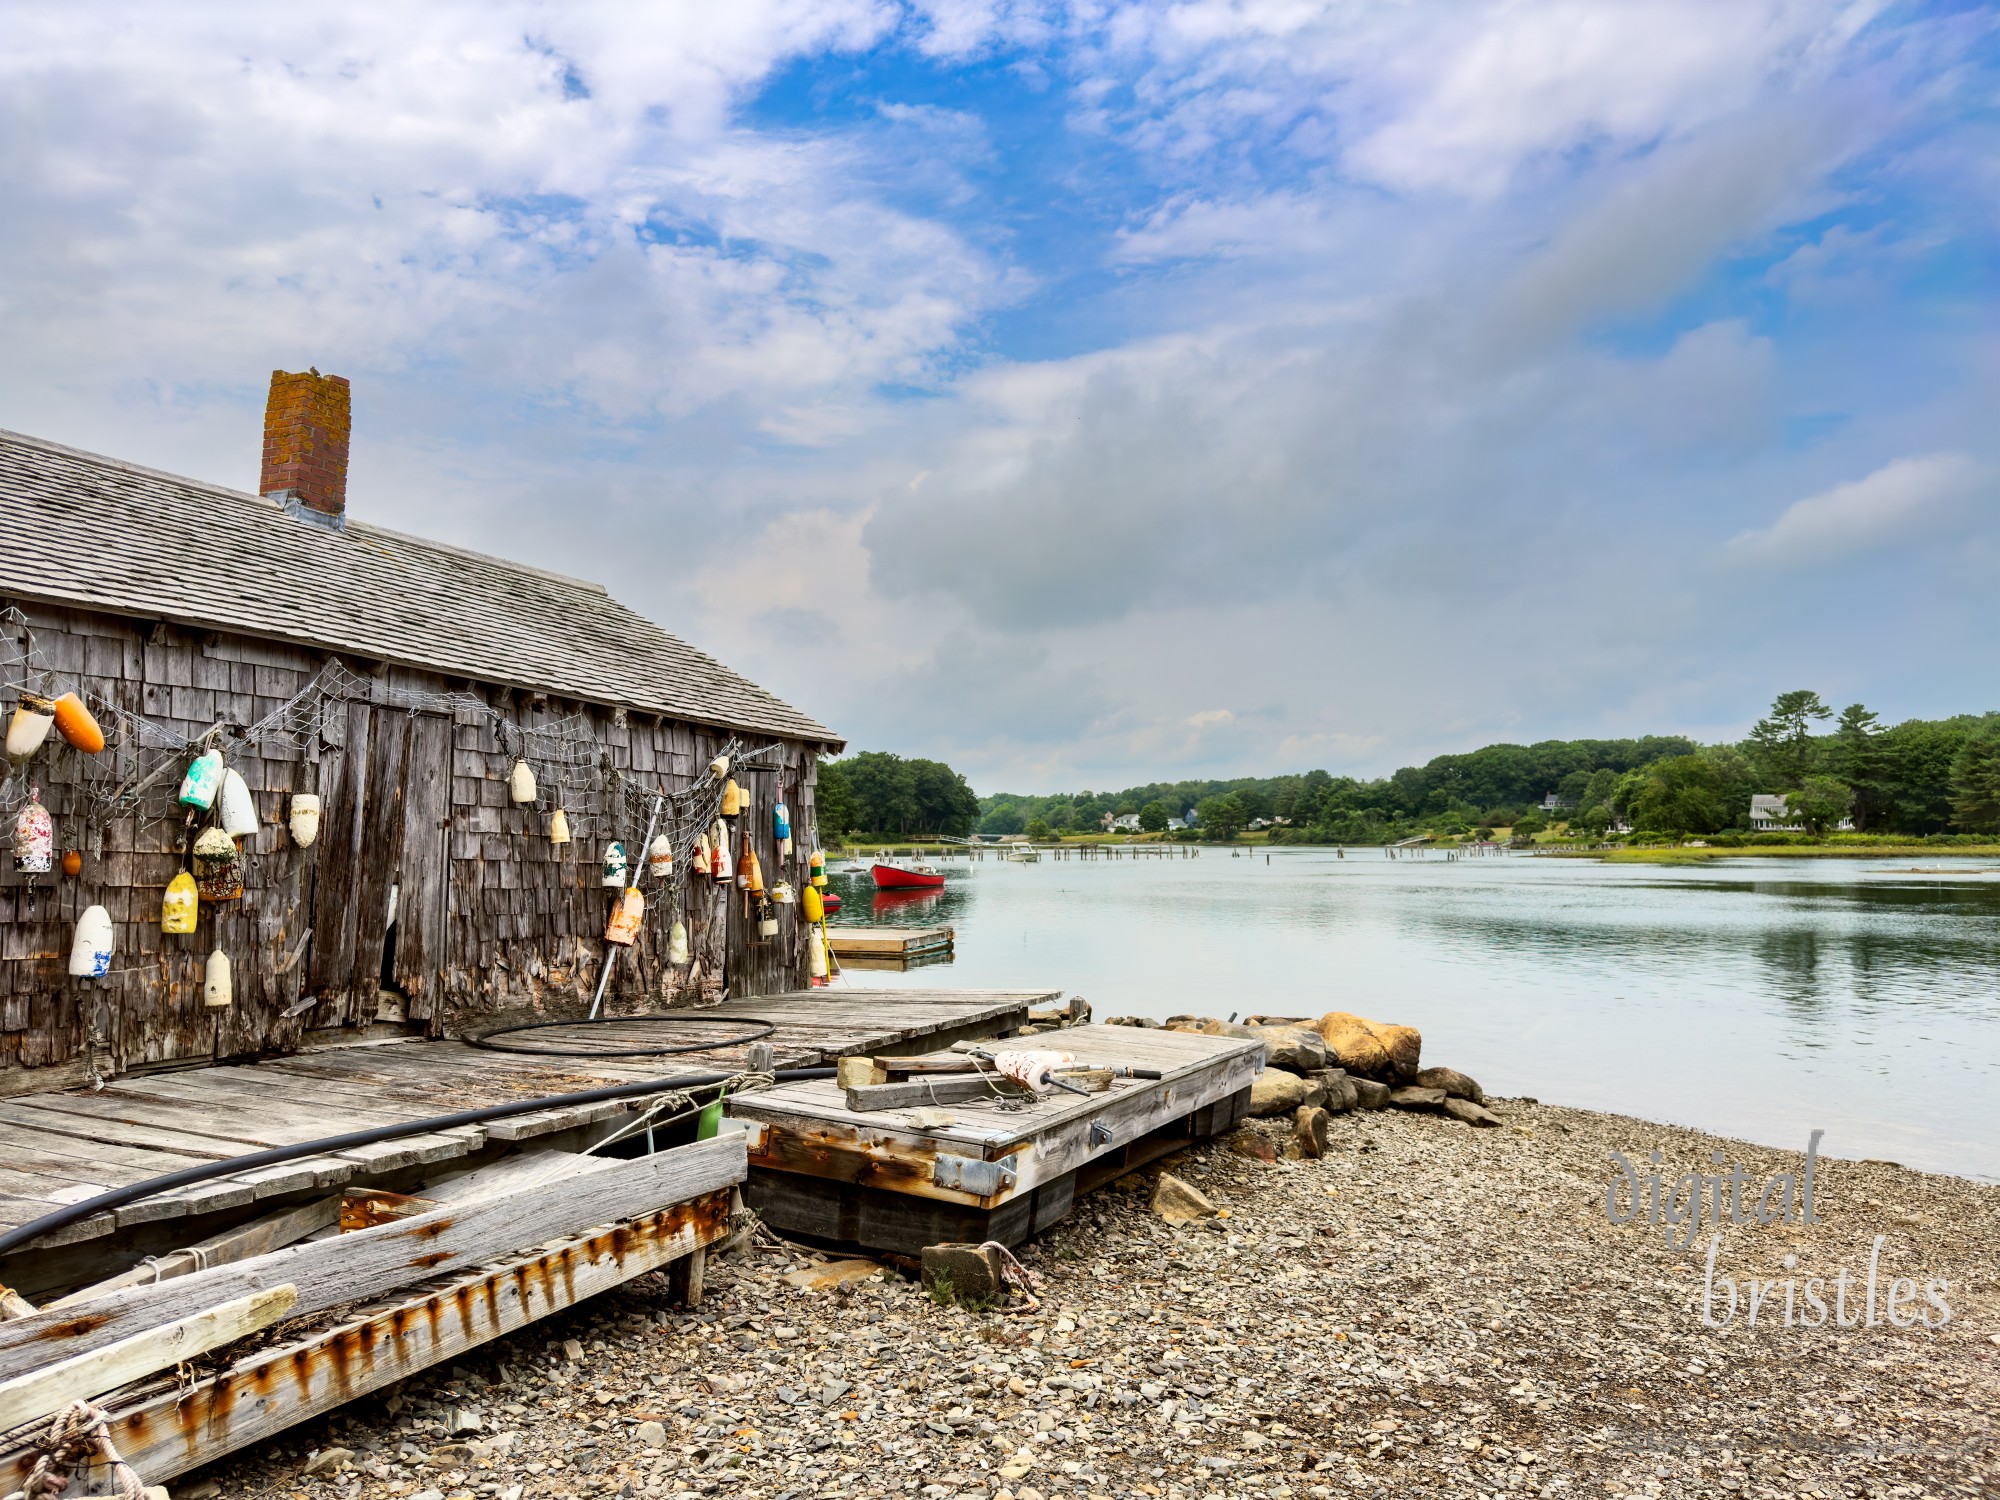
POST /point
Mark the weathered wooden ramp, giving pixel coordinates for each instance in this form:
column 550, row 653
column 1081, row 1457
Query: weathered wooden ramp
column 1002, row 1169
column 61, row 1148
column 377, row 1305
column 888, row 942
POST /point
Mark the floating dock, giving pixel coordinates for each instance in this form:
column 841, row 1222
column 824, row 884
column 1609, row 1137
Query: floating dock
column 1005, row 1166
column 889, row 946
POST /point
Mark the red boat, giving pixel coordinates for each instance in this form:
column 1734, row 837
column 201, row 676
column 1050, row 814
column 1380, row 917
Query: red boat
column 831, row 901
column 906, row 878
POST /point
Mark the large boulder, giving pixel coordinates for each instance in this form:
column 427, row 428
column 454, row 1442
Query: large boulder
column 969, row 1274
column 1334, row 1092
column 1370, row 1049
column 1452, row 1082
column 1472, row 1114
column 1412, row 1097
column 1368, row 1094
column 1296, row 1049
column 1276, row 1092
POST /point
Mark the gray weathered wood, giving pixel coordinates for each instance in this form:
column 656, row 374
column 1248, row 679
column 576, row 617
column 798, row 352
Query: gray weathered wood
column 38, row 1393
column 258, row 1237
column 167, row 1433
column 951, row 1088
column 371, row 1261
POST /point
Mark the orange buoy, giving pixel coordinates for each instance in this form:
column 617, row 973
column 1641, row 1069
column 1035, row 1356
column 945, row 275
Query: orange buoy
column 76, row 724
column 72, row 861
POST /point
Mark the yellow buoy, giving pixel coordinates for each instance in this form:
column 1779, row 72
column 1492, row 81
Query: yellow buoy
column 559, row 827
column 304, row 819
column 181, row 905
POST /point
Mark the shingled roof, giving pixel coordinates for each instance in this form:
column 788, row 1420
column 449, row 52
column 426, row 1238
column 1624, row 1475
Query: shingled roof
column 94, row 532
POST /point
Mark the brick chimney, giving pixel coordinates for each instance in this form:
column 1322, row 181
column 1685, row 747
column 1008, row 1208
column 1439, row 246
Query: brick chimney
column 306, row 423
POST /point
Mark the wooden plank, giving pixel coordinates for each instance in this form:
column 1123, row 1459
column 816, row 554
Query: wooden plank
column 41, row 1392
column 372, row 1261
column 167, row 1433
column 932, row 1089
column 259, row 1237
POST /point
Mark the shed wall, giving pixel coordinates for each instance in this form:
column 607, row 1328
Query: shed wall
column 491, row 918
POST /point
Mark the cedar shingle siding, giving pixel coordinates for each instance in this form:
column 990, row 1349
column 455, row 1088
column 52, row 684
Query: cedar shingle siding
column 109, row 564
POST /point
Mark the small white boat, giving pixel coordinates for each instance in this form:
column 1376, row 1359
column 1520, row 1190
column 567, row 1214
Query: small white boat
column 1024, row 854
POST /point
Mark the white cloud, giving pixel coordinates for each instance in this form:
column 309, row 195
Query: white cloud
column 1904, row 501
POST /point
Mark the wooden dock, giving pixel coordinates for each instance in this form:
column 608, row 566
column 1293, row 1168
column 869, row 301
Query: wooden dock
column 891, row 946
column 1002, row 1169
column 61, row 1148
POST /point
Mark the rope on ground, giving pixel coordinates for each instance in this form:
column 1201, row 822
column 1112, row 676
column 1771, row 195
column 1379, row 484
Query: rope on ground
column 79, row 1436
column 1012, row 1270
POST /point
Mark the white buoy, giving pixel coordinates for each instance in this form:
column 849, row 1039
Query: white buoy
column 677, row 943
column 27, row 729
column 239, row 808
column 90, row 954
column 559, row 827
column 218, row 990
column 304, row 819
column 521, row 782
column 660, row 857
column 615, row 866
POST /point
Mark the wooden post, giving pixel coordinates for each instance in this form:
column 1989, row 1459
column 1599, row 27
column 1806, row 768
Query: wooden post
column 685, row 1278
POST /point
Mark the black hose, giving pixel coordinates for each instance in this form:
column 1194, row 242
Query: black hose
column 757, row 1032
column 71, row 1213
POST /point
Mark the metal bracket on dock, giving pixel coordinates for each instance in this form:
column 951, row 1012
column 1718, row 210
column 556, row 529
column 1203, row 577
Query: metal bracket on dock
column 969, row 1174
column 1100, row 1133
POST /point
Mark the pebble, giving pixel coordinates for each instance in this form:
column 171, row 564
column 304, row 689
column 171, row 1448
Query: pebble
column 1427, row 1310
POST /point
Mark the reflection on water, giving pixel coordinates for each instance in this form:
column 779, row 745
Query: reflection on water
column 1759, row 998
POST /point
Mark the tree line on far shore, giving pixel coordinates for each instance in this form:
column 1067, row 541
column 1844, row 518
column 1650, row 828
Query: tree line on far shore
column 1922, row 777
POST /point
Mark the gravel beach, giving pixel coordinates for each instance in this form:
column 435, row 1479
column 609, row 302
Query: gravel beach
column 1430, row 1309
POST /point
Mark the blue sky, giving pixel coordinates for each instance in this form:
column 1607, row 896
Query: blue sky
column 1088, row 393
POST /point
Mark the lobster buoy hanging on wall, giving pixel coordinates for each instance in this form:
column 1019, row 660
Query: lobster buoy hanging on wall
column 767, row 919
column 181, row 906
column 559, row 827
column 724, row 867
column 90, row 954
column 34, row 837
column 304, row 819
column 677, row 943
column 29, row 727
column 626, row 918
column 749, row 874
column 704, row 855
column 719, row 767
column 77, row 724
column 734, row 799
column 812, row 905
column 239, row 808
column 781, row 827
column 615, row 865
column 218, row 989
column 660, row 858
column 203, row 780
column 218, row 866
column 521, row 782
column 816, row 952
column 72, row 862
column 816, row 867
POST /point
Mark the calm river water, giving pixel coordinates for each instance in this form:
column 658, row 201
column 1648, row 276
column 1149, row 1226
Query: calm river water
column 1760, row 999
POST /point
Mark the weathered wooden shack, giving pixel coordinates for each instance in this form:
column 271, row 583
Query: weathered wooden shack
column 398, row 679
